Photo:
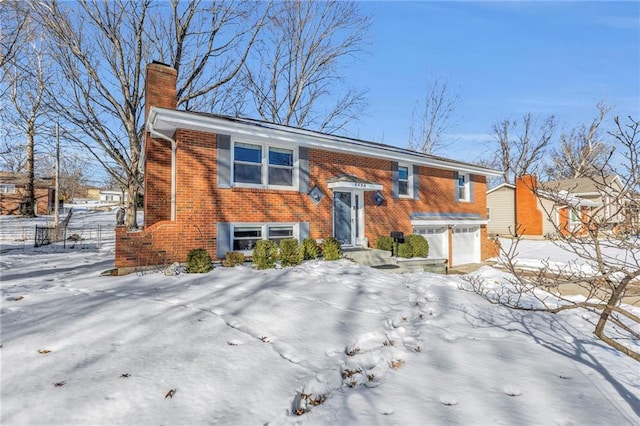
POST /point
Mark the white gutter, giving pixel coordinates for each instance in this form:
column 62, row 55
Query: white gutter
column 155, row 134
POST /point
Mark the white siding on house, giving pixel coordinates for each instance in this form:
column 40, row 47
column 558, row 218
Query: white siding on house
column 501, row 204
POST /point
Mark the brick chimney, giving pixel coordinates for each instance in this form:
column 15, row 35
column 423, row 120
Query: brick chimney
column 160, row 87
column 160, row 91
column 528, row 215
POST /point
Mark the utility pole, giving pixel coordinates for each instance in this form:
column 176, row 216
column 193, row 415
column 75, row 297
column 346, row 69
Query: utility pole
column 56, row 206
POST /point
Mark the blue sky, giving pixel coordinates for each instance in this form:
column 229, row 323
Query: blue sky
column 504, row 58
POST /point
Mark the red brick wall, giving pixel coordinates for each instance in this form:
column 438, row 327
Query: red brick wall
column 10, row 203
column 200, row 204
column 528, row 216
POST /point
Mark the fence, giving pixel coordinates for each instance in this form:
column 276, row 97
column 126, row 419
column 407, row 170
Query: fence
column 69, row 237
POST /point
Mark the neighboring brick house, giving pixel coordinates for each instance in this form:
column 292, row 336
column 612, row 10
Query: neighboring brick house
column 13, row 194
column 222, row 183
column 536, row 210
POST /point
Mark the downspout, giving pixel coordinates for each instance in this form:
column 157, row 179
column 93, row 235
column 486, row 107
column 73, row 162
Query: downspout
column 155, row 134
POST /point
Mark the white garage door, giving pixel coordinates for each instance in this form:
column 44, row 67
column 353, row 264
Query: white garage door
column 438, row 241
column 466, row 245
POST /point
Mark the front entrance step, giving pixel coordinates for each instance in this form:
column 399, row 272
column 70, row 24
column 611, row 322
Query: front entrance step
column 383, row 260
column 370, row 257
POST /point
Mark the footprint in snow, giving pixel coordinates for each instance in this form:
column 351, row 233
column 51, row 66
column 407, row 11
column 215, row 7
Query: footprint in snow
column 448, row 400
column 512, row 390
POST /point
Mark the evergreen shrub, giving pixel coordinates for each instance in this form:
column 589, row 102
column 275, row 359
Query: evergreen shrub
column 384, row 242
column 265, row 254
column 419, row 245
column 291, row 253
column 199, row 261
column 309, row 249
column 331, row 249
column 233, row 258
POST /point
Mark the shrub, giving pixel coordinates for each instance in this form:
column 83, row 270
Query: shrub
column 199, row 261
column 290, row 252
column 405, row 250
column 419, row 245
column 233, row 258
column 331, row 249
column 265, row 254
column 384, row 242
column 309, row 249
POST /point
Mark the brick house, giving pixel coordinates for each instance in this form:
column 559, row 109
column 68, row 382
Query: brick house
column 536, row 210
column 13, row 194
column 221, row 183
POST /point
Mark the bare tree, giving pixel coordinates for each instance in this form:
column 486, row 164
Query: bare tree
column 520, row 154
column 15, row 23
column 582, row 152
column 294, row 77
column 73, row 173
column 433, row 117
column 27, row 80
column 102, row 49
column 608, row 264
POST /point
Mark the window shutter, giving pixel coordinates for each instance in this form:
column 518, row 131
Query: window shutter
column 416, row 182
column 224, row 161
column 394, row 179
column 304, row 230
column 224, row 239
column 471, row 197
column 456, row 193
column 303, row 169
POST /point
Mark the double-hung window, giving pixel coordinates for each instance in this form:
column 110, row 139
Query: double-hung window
column 403, row 181
column 247, row 163
column 463, row 187
column 278, row 233
column 263, row 165
column 245, row 237
column 280, row 166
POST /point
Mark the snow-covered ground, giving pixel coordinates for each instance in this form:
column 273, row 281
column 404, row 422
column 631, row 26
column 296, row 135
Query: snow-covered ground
column 343, row 343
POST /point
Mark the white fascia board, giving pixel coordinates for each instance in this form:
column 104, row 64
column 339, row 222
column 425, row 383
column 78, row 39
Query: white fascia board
column 446, row 222
column 166, row 121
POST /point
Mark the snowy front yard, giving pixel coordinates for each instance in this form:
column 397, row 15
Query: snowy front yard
column 341, row 343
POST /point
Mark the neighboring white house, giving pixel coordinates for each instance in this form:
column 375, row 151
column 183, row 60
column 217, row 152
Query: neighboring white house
column 113, row 196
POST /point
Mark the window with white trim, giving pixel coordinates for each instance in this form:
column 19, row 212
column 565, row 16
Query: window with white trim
column 462, row 187
column 404, row 187
column 263, row 165
column 6, row 188
column 245, row 236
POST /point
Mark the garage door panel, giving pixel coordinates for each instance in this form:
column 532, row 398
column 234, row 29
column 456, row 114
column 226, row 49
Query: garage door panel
column 465, row 245
column 438, row 241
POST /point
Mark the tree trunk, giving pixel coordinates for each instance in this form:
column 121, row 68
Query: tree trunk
column 30, row 208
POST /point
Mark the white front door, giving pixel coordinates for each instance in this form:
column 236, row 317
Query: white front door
column 348, row 217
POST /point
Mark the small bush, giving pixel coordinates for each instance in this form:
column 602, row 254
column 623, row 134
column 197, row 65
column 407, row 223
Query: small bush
column 233, row 258
column 265, row 254
column 309, row 249
column 405, row 250
column 199, row 261
column 290, row 252
column 419, row 245
column 331, row 249
column 384, row 242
